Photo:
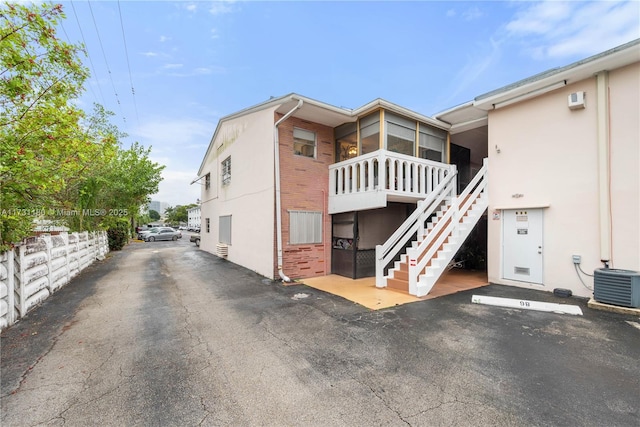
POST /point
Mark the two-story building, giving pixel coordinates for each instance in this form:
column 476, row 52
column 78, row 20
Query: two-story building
column 544, row 169
column 193, row 218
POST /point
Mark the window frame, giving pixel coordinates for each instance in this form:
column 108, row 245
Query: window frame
column 306, row 142
column 224, row 234
column 207, row 181
column 226, row 171
column 306, row 227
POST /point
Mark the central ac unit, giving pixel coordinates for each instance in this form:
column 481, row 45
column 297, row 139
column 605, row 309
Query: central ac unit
column 617, row 287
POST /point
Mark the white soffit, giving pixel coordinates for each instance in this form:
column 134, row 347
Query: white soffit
column 325, row 115
column 463, row 118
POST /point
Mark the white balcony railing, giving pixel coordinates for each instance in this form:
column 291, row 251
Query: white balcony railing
column 370, row 180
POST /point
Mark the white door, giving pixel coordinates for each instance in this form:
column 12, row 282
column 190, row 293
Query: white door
column 522, row 245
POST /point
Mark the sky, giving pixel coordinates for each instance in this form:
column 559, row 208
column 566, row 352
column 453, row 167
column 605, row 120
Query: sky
column 169, row 70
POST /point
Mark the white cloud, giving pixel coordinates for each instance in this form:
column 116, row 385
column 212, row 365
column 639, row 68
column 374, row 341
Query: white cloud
column 172, row 66
column 483, row 59
column 221, row 7
column 451, row 13
column 164, row 39
column 176, row 189
column 539, row 18
column 214, row 34
column 199, row 71
column 472, row 14
column 552, row 29
column 149, row 54
column 171, row 134
column 179, row 144
column 191, row 7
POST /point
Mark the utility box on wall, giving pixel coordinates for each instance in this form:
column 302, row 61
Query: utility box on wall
column 576, row 101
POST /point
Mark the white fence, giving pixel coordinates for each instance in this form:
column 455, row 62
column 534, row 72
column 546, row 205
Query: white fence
column 39, row 266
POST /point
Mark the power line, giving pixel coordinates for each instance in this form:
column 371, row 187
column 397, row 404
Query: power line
column 93, row 72
column 126, row 52
column 105, row 61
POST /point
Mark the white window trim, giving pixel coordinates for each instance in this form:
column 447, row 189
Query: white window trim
column 226, row 171
column 301, row 136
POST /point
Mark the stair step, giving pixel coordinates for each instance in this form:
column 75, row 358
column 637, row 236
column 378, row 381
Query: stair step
column 401, row 275
column 401, row 285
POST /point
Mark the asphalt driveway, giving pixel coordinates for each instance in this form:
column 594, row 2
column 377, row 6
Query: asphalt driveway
column 165, row 334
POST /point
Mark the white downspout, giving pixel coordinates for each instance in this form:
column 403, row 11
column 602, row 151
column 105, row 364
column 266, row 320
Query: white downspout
column 602, row 89
column 276, row 150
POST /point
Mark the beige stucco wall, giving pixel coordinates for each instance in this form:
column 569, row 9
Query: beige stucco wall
column 548, row 153
column 249, row 197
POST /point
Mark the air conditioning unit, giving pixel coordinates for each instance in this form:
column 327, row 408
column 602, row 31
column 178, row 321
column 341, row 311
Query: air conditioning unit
column 222, row 250
column 576, row 100
column 617, row 287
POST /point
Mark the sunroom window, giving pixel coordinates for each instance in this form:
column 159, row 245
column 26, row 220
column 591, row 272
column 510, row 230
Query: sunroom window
column 401, row 134
column 370, row 133
column 346, row 141
column 432, row 143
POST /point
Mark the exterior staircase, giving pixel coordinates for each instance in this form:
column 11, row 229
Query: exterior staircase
column 424, row 245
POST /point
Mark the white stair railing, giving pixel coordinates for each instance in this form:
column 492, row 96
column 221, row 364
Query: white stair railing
column 446, row 228
column 386, row 252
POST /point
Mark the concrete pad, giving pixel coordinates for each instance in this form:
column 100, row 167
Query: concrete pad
column 595, row 305
column 360, row 291
column 364, row 291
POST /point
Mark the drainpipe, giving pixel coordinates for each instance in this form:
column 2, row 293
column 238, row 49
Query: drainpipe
column 276, row 150
column 602, row 94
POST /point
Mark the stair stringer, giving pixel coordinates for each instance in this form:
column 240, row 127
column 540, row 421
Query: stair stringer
column 429, row 259
column 457, row 237
column 397, row 267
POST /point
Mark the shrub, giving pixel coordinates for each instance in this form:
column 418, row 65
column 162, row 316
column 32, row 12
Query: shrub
column 118, row 234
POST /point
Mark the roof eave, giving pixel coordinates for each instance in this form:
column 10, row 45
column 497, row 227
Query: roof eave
column 549, row 80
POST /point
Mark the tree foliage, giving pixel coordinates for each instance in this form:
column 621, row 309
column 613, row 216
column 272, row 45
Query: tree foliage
column 154, row 215
column 39, row 132
column 54, row 157
column 178, row 214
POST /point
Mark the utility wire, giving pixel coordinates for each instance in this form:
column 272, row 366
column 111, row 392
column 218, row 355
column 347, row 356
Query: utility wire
column 105, row 61
column 580, row 277
column 86, row 52
column 126, row 52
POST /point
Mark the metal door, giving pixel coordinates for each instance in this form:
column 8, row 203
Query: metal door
column 522, row 245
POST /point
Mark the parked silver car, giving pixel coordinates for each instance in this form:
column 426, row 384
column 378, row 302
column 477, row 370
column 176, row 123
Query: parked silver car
column 162, row 233
column 143, row 233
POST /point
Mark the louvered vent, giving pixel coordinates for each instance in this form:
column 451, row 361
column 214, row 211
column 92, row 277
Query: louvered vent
column 222, row 250
column 617, row 287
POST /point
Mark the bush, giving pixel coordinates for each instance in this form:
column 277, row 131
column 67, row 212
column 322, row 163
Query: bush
column 118, row 234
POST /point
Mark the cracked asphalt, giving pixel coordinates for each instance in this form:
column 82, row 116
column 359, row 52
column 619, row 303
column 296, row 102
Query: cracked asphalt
column 164, row 334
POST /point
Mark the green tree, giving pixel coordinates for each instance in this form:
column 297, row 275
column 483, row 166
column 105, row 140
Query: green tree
column 132, row 178
column 154, row 215
column 53, row 156
column 179, row 213
column 41, row 140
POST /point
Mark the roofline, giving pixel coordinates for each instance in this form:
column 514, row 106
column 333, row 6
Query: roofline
column 537, row 84
column 349, row 114
column 381, row 103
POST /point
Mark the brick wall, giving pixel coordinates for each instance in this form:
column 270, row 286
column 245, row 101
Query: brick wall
column 303, row 186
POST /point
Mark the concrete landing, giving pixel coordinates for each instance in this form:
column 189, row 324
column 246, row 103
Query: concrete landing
column 364, row 291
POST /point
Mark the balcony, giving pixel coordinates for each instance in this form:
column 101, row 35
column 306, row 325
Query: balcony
column 372, row 180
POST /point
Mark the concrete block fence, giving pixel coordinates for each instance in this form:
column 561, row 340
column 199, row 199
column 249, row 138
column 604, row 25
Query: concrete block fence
column 38, row 266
